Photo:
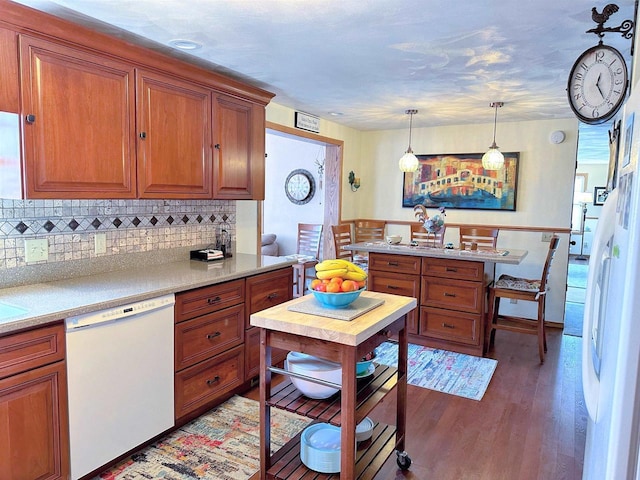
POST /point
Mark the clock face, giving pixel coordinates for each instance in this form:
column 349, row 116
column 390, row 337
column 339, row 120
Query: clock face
column 299, row 186
column 597, row 84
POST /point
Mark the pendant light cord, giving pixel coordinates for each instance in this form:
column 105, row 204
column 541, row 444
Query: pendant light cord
column 495, row 121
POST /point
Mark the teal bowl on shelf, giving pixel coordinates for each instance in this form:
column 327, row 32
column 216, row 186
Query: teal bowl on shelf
column 337, row 300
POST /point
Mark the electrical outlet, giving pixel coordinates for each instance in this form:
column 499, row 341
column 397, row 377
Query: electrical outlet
column 546, row 236
column 514, row 300
column 100, row 243
column 36, row 250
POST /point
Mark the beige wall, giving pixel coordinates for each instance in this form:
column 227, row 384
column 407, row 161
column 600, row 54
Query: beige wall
column 545, row 185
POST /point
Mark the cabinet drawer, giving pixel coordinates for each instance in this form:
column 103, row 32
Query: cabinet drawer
column 27, row 350
column 395, row 263
column 394, row 283
column 208, row 335
column 457, row 269
column 448, row 325
column 452, row 294
column 204, row 300
column 268, row 289
column 203, row 383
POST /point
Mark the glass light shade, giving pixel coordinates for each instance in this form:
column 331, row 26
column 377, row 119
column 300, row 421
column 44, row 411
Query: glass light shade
column 409, row 162
column 582, row 197
column 493, row 159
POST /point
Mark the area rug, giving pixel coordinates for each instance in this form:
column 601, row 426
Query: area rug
column 223, row 444
column 448, row 372
column 577, row 275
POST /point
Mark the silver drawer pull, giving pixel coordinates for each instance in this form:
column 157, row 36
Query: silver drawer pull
column 216, row 379
column 393, row 287
column 448, row 325
column 271, row 296
column 213, row 300
column 449, row 294
column 393, row 264
column 449, row 269
column 213, row 335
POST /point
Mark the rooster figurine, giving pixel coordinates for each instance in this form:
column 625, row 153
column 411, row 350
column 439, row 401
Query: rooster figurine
column 607, row 11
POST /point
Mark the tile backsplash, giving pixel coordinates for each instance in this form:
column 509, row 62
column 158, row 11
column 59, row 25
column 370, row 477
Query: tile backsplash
column 130, row 226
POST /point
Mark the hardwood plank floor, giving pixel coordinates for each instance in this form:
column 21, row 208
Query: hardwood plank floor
column 530, row 424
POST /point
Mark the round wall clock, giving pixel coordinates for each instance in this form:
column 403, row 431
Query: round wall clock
column 597, row 84
column 300, row 186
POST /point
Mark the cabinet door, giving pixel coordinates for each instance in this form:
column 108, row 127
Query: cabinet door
column 9, row 87
column 174, row 137
column 34, row 435
column 78, row 122
column 238, row 128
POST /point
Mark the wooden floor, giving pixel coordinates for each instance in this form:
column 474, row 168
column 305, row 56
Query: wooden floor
column 530, row 424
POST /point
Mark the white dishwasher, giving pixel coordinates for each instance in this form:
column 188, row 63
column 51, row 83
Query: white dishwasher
column 120, row 374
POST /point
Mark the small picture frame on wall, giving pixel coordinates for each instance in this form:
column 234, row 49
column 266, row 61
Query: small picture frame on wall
column 599, row 195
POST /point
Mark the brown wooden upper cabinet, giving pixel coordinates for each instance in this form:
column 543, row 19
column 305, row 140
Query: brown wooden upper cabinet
column 78, row 111
column 102, row 118
column 174, row 137
column 238, row 128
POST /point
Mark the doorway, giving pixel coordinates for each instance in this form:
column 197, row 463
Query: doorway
column 319, row 156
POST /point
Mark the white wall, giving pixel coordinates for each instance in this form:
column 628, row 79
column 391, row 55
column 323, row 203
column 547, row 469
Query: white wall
column 281, row 216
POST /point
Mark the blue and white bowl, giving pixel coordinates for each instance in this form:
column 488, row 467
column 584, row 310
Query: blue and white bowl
column 320, row 448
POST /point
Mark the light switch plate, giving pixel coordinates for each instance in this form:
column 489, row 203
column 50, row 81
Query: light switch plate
column 36, row 250
column 546, row 236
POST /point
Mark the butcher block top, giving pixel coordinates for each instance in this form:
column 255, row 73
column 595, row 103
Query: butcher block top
column 354, row 332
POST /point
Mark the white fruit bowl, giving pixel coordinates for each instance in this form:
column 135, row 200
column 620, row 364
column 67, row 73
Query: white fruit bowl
column 315, row 368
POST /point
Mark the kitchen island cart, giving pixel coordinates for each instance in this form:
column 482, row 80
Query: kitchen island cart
column 345, row 342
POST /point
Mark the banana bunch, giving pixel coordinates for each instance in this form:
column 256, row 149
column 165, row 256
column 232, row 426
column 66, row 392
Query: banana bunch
column 328, row 269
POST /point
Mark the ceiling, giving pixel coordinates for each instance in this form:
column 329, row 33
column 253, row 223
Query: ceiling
column 369, row 60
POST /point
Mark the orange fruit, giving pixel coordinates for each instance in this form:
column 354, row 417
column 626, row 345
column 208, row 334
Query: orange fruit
column 321, row 287
column 314, row 283
column 337, row 280
column 349, row 286
column 333, row 287
column 362, row 283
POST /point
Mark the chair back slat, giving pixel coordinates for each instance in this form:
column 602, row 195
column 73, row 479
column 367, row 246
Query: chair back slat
column 553, row 246
column 309, row 239
column 341, row 237
column 484, row 237
column 370, row 230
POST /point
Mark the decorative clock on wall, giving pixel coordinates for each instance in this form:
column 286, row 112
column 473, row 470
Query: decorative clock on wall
column 300, row 186
column 598, row 81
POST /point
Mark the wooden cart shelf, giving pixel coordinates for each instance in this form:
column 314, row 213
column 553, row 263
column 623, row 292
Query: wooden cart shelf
column 370, row 456
column 370, row 390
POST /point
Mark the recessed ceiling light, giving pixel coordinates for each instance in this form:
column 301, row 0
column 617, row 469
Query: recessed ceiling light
column 185, row 44
column 336, row 114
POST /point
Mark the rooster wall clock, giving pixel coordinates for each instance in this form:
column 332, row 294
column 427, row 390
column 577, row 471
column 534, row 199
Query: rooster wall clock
column 599, row 78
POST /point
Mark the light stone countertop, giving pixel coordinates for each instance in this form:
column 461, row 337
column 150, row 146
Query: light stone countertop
column 507, row 255
column 41, row 303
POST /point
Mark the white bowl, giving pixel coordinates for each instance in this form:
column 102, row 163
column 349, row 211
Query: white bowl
column 364, row 430
column 316, row 368
column 394, row 239
column 320, row 447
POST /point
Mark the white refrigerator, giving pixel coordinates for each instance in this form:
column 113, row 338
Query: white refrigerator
column 611, row 329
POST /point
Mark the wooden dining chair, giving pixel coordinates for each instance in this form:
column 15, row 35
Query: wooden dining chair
column 309, row 241
column 521, row 289
column 342, row 236
column 426, row 239
column 370, row 230
column 486, row 238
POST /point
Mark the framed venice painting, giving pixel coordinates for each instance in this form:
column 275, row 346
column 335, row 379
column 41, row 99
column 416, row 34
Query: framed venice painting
column 459, row 181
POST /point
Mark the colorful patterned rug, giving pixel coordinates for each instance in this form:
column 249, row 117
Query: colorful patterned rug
column 454, row 373
column 223, row 444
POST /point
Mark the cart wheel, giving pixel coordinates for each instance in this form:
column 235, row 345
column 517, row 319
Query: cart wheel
column 404, row 461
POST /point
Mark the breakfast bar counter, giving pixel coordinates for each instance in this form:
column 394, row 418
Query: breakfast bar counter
column 450, row 284
column 345, row 342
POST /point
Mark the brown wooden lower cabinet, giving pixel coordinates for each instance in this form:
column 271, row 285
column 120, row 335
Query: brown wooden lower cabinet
column 452, row 295
column 34, row 421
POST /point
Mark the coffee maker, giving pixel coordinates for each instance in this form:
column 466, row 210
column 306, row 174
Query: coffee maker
column 223, row 239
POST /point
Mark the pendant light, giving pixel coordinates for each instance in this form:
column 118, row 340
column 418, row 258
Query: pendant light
column 493, row 159
column 409, row 162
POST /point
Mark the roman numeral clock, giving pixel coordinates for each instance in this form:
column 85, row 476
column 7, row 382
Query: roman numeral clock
column 599, row 79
